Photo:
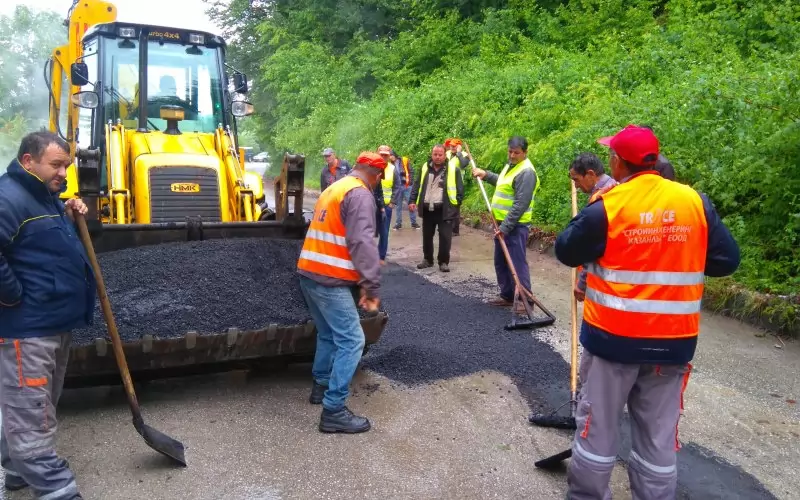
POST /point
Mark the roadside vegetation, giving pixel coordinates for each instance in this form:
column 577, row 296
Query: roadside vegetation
column 717, row 80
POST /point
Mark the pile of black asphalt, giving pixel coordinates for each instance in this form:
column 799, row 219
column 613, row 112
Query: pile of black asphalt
column 207, row 286
column 434, row 334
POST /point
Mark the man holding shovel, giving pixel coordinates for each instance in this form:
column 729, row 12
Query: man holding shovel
column 47, row 289
column 512, row 208
column 650, row 242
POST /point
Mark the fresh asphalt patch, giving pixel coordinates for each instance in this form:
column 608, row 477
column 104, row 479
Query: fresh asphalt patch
column 434, row 334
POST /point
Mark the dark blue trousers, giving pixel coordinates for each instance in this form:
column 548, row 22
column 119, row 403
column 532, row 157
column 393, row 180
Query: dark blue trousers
column 516, row 241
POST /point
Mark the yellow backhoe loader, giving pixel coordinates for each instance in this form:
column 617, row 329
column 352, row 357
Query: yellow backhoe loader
column 150, row 115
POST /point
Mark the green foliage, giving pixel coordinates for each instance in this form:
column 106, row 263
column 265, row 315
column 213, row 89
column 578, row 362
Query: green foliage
column 27, row 39
column 717, row 80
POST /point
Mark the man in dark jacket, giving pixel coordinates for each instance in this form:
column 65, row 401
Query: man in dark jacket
column 439, row 191
column 335, row 169
column 47, row 289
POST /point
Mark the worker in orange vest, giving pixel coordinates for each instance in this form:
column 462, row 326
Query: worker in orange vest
column 339, row 257
column 650, row 242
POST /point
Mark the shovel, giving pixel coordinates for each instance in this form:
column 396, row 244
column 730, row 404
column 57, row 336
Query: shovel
column 554, row 420
column 520, row 293
column 154, row 439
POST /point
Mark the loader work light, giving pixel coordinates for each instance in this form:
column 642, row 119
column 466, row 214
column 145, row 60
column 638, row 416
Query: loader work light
column 127, row 32
column 241, row 108
column 196, row 39
column 86, row 99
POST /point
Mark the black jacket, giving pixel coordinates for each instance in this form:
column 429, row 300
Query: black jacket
column 421, row 185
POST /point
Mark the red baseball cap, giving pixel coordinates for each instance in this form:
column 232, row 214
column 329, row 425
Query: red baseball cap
column 637, row 145
column 372, row 159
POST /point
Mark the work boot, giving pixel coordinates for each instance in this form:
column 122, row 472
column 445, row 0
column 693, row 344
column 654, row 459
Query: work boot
column 15, row 483
column 415, row 226
column 500, row 302
column 444, row 268
column 424, row 264
column 317, row 393
column 342, row 421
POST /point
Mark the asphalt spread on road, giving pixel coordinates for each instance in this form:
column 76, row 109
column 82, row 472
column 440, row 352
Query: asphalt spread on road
column 434, row 334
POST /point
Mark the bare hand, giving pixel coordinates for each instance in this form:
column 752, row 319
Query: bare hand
column 412, row 207
column 477, row 172
column 579, row 294
column 391, row 205
column 498, row 234
column 73, row 205
column 369, row 305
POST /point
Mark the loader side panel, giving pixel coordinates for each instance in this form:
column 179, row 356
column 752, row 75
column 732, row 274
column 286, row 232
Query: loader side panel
column 180, row 192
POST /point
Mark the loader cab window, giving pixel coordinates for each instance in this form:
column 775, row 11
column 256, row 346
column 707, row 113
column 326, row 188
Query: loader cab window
column 185, row 76
column 121, row 81
column 178, row 75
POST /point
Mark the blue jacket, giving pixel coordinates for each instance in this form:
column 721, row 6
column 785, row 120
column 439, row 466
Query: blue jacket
column 47, row 285
column 584, row 240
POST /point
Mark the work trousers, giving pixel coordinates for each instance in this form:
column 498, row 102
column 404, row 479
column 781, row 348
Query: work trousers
column 383, row 221
column 654, row 395
column 405, row 196
column 31, row 380
column 457, row 222
column 431, row 220
column 340, row 338
column 517, row 243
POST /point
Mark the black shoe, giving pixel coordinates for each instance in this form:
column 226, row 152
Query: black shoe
column 317, row 393
column 15, row 484
column 444, row 268
column 424, row 264
column 342, row 421
column 414, row 226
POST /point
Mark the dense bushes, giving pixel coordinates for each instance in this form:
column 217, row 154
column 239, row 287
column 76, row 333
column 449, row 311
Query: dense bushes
column 718, row 81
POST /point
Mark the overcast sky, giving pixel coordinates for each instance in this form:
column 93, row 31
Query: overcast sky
column 189, row 14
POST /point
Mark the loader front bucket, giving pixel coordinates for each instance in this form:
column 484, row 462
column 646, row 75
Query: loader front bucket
column 190, row 351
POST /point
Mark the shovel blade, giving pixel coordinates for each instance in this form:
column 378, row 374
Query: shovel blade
column 554, row 461
column 162, row 443
column 554, row 421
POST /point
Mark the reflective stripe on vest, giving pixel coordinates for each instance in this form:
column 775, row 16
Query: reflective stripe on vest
column 649, row 283
column 503, row 198
column 452, row 189
column 387, row 182
column 325, row 247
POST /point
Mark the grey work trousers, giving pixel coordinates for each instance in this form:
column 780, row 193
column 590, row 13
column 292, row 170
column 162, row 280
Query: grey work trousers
column 31, row 380
column 654, row 395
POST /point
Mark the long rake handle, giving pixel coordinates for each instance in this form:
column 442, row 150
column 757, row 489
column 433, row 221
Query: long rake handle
column 119, row 354
column 574, row 303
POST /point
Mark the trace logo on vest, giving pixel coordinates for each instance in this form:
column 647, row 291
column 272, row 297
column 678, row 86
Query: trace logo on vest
column 647, row 285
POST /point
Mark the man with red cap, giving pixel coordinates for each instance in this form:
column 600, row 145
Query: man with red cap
column 650, row 242
column 338, row 265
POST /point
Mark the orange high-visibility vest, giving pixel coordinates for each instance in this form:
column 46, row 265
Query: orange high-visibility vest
column 649, row 283
column 325, row 247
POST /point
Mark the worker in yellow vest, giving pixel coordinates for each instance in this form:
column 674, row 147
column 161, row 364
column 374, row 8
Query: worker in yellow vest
column 649, row 242
column 512, row 207
column 459, row 161
column 339, row 261
column 390, row 187
column 438, row 191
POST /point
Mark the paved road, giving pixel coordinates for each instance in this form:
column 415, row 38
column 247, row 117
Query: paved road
column 449, row 421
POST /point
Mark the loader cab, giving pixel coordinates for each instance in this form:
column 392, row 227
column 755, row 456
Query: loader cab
column 139, row 71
